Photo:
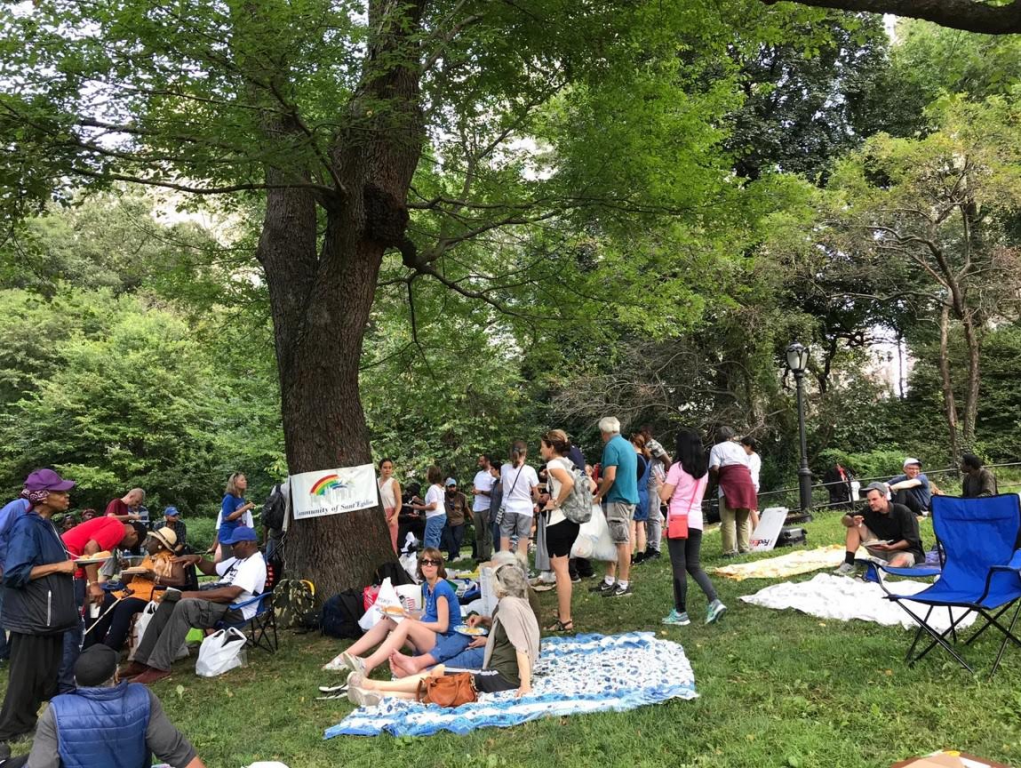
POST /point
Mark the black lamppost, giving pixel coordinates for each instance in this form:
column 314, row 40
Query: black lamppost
column 797, row 361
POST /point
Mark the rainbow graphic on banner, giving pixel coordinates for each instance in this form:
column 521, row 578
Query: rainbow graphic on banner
column 326, row 483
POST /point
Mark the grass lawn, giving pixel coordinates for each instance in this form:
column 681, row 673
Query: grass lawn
column 776, row 689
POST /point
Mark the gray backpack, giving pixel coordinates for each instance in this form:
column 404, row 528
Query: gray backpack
column 577, row 507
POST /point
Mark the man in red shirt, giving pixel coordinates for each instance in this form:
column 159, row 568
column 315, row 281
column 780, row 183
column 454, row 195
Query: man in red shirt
column 126, row 507
column 101, row 534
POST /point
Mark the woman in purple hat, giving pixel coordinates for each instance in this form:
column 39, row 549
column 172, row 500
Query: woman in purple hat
column 39, row 603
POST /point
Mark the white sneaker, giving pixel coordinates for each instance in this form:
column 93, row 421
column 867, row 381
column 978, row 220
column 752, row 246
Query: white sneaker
column 845, row 569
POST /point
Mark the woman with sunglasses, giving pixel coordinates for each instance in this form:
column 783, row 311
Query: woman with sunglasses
column 431, row 634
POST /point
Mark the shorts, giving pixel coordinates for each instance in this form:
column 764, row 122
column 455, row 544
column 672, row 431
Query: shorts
column 560, row 538
column 448, row 646
column 641, row 513
column 491, row 681
column 885, row 555
column 619, row 515
column 513, row 523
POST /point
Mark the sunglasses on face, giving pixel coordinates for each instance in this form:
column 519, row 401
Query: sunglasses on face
column 430, row 562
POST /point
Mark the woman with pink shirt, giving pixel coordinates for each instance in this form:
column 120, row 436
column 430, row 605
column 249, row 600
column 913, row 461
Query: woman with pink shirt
column 683, row 490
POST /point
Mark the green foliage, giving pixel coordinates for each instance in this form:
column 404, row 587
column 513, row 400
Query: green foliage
column 139, row 400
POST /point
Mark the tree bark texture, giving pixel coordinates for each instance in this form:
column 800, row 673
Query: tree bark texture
column 949, row 403
column 322, row 288
column 969, row 15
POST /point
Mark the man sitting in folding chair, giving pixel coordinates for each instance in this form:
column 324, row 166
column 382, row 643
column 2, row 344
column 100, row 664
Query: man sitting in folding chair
column 241, row 577
column 981, row 572
column 888, row 531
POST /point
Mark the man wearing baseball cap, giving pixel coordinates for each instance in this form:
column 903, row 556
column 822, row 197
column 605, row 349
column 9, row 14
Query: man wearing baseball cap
column 39, row 605
column 172, row 520
column 912, row 489
column 456, row 505
column 241, row 577
column 888, row 531
column 105, row 722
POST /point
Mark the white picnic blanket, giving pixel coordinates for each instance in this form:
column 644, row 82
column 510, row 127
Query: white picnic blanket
column 842, row 598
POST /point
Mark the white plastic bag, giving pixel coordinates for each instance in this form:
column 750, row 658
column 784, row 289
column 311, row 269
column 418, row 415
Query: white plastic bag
column 594, row 542
column 410, row 596
column 386, row 598
column 221, row 652
column 409, row 562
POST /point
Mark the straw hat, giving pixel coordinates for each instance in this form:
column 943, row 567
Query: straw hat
column 166, row 537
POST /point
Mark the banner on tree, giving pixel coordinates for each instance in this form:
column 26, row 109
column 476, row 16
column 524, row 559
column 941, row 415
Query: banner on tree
column 333, row 491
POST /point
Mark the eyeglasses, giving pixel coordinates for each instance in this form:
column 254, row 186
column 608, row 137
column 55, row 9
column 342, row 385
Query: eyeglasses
column 427, row 561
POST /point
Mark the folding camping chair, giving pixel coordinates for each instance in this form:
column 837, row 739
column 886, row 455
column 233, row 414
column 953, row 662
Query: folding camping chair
column 261, row 629
column 981, row 573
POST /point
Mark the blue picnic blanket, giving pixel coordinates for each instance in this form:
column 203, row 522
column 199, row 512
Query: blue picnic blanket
column 574, row 675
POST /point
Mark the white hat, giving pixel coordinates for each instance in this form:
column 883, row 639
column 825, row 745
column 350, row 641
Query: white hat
column 910, row 460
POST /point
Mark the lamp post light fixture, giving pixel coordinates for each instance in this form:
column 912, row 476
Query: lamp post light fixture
column 797, row 361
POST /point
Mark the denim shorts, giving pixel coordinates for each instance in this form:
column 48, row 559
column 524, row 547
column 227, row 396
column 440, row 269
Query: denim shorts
column 448, row 646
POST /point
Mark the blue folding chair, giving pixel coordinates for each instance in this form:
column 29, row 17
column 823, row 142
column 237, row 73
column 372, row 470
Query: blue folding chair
column 261, row 629
column 981, row 573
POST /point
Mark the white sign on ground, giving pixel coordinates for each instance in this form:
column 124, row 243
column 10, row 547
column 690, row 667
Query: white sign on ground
column 333, row 491
column 771, row 522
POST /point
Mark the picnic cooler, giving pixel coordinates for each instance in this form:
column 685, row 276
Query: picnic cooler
column 791, row 536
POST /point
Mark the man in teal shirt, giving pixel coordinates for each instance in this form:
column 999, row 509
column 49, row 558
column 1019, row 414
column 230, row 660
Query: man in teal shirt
column 618, row 493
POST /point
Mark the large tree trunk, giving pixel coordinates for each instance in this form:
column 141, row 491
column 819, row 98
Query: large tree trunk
column 949, row 403
column 972, row 345
column 321, row 290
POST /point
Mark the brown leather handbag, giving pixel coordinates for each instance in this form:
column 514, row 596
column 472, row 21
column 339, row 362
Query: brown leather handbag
column 448, row 690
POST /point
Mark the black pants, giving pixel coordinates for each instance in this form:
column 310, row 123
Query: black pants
column 35, row 662
column 908, row 499
column 580, row 568
column 113, row 628
column 685, row 558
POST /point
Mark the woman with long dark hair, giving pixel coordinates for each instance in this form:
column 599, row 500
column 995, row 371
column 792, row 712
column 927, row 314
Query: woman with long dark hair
column 683, row 491
column 560, row 531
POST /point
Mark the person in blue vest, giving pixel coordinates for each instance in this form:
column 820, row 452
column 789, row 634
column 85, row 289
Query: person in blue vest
column 105, row 723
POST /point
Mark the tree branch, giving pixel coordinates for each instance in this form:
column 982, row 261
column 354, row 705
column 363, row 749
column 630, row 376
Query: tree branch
column 968, row 15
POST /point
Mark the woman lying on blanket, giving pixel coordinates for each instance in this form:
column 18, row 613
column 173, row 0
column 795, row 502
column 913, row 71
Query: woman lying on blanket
column 511, row 650
column 473, row 656
column 433, row 633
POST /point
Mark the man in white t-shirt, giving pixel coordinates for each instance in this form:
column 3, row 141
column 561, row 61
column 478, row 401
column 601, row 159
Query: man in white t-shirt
column 482, row 487
column 241, row 577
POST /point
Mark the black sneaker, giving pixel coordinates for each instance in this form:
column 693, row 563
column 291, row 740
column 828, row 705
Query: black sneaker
column 638, row 559
column 576, row 579
column 602, row 587
column 652, row 554
column 619, row 591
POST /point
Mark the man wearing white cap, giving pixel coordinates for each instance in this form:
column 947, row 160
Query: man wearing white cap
column 911, row 489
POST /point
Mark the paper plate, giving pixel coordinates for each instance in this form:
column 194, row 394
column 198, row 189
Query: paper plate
column 464, row 629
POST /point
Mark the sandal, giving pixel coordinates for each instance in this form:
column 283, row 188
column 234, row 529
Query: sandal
column 561, row 626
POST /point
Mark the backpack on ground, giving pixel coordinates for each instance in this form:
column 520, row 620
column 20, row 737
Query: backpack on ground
column 393, row 571
column 274, row 509
column 340, row 614
column 294, row 603
column 577, row 507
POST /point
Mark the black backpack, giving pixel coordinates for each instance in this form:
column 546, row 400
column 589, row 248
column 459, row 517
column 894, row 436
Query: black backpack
column 340, row 614
column 393, row 571
column 274, row 509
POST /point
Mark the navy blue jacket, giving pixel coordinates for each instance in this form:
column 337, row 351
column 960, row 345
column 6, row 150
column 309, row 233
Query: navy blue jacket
column 44, row 606
column 103, row 727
